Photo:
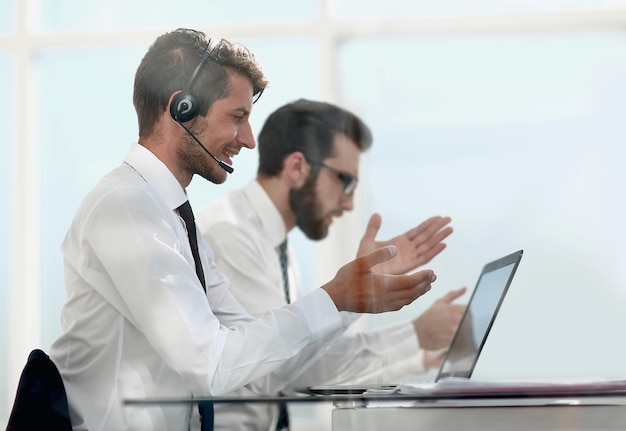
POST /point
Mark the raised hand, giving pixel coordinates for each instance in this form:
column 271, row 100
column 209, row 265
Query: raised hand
column 359, row 289
column 416, row 246
column 436, row 326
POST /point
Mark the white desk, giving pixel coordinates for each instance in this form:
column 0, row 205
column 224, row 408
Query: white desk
column 485, row 415
column 572, row 409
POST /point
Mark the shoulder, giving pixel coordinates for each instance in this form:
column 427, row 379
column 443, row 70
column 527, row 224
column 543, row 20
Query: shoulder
column 232, row 212
column 121, row 189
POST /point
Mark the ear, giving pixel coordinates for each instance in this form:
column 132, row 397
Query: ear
column 296, row 169
column 172, row 103
column 169, row 123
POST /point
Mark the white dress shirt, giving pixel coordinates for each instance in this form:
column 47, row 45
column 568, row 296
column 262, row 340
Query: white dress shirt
column 137, row 323
column 244, row 230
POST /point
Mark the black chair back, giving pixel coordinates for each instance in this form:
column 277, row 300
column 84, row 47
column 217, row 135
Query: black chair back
column 40, row 402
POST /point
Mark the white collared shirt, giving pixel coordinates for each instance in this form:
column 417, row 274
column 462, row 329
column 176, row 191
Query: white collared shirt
column 137, row 323
column 244, row 230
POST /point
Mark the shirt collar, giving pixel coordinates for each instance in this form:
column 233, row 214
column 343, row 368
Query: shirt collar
column 272, row 224
column 156, row 174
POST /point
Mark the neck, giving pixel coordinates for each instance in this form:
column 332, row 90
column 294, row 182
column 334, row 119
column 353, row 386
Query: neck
column 278, row 193
column 168, row 155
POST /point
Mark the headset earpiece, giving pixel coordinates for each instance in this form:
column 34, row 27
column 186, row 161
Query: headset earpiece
column 183, row 107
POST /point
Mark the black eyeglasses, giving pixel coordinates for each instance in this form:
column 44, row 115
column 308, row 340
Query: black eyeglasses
column 348, row 180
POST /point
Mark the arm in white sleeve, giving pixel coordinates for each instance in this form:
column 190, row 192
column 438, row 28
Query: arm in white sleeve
column 243, row 256
column 382, row 356
column 152, row 283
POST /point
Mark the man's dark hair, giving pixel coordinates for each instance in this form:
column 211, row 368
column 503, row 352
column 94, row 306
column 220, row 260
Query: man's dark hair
column 308, row 127
column 171, row 60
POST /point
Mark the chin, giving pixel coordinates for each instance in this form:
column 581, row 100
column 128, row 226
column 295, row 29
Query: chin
column 218, row 178
column 317, row 234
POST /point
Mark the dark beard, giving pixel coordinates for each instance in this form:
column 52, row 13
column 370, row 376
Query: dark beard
column 194, row 158
column 303, row 203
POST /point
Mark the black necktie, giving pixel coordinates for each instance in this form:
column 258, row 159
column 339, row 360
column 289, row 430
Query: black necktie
column 205, row 409
column 187, row 215
column 283, row 414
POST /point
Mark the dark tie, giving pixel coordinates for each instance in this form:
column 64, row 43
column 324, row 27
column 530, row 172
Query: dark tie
column 283, row 414
column 284, row 265
column 187, row 215
column 205, row 409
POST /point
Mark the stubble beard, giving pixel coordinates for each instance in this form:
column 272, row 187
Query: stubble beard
column 197, row 161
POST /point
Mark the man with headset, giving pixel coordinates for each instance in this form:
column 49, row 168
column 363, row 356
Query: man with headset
column 137, row 323
column 308, row 168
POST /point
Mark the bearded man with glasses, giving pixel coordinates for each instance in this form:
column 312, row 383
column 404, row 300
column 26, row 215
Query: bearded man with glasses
column 308, row 171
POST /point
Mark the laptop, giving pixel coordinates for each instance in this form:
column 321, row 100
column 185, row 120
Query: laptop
column 481, row 311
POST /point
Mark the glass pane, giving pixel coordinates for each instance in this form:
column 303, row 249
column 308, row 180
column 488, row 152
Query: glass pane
column 87, row 124
column 519, row 138
column 376, row 9
column 7, row 16
column 94, row 15
column 300, row 79
column 76, row 153
column 7, row 135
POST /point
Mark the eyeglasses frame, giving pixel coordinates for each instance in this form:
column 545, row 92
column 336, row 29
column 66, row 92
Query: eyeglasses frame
column 349, row 181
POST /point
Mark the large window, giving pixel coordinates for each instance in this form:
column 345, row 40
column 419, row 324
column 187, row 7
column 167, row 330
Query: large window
column 375, row 10
column 121, row 15
column 519, row 137
column 83, row 111
column 505, row 115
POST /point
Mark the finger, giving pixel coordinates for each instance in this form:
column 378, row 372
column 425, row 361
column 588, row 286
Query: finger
column 453, row 294
column 380, row 255
column 431, row 223
column 457, row 316
column 372, row 227
column 431, row 238
column 407, row 288
column 430, row 243
column 426, row 252
column 429, row 226
column 423, row 276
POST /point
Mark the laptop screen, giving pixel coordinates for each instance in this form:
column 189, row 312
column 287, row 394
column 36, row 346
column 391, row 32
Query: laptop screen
column 479, row 316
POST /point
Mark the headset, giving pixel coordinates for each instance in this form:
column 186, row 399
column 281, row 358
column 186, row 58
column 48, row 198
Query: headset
column 184, row 106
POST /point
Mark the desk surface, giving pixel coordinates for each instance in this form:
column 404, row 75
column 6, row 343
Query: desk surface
column 494, row 394
column 454, row 417
column 526, row 410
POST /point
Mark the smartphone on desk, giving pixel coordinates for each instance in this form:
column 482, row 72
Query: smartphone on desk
column 345, row 389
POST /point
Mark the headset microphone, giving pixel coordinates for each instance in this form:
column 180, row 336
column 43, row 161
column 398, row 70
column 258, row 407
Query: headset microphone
column 184, row 106
column 223, row 165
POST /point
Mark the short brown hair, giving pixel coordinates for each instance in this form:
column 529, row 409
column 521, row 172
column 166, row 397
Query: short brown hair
column 308, row 127
column 171, row 60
